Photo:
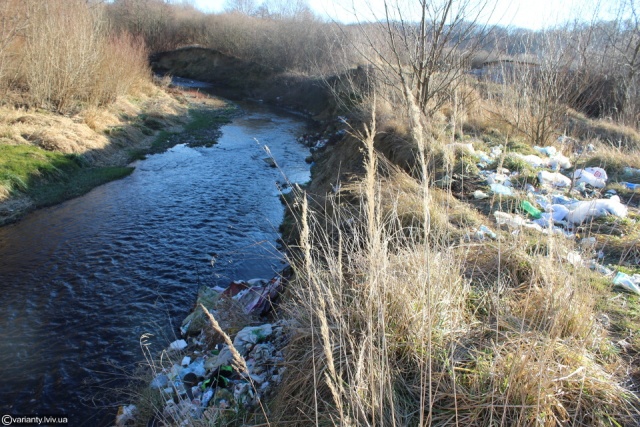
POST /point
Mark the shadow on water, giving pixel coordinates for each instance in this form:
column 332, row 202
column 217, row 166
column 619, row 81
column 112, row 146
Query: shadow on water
column 83, row 280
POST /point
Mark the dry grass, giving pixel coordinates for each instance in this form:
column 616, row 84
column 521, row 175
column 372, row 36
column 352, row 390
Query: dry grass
column 87, row 132
column 393, row 328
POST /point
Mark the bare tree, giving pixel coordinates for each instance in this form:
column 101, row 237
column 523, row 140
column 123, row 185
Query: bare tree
column 246, row 7
column 425, row 51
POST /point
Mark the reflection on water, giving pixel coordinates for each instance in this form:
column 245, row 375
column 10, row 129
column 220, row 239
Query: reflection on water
column 82, row 281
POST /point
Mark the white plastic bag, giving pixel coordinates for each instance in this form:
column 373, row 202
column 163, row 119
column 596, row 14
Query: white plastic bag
column 554, row 179
column 580, row 211
column 508, row 219
column 583, row 175
column 558, row 161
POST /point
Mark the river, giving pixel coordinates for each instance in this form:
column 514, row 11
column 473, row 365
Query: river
column 80, row 282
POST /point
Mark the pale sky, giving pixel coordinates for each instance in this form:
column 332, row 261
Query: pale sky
column 532, row 14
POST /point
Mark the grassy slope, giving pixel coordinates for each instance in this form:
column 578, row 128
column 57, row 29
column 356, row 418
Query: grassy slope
column 41, row 177
column 520, row 336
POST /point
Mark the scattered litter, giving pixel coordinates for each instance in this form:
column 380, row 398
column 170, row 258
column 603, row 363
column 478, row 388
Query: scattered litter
column 481, row 234
column 125, row 414
column 631, row 186
column 159, row 381
column 600, row 268
column 560, row 199
column 588, row 244
column 581, row 211
column 574, row 258
column 553, row 179
column 559, row 161
column 547, row 151
column 629, row 171
column 533, row 160
column 486, row 230
column 564, row 139
column 626, row 282
column 498, row 178
column 186, row 361
column 592, row 177
column 178, row 345
column 478, row 194
column 501, row 189
column 513, row 221
column 530, row 209
column 558, row 212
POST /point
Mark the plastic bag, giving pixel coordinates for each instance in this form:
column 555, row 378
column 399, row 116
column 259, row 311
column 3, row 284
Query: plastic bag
column 554, row 179
column 502, row 190
column 626, row 282
column 583, row 175
column 580, row 211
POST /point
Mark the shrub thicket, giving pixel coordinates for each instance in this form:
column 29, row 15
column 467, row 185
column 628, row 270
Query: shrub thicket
column 60, row 55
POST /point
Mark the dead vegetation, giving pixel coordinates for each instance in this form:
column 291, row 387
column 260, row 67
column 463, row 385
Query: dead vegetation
column 399, row 314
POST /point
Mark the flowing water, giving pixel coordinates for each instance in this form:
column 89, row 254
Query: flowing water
column 82, row 281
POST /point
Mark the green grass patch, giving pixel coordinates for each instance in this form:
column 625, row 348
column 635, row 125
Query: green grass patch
column 163, row 141
column 203, row 131
column 75, row 184
column 49, row 177
column 204, row 119
column 23, row 166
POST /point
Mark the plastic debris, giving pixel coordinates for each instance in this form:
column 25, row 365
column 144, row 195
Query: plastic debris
column 498, row 178
column 580, row 211
column 600, row 268
column 629, row 171
column 554, row 179
column 530, row 209
column 631, row 186
column 574, row 258
column 547, row 151
column 178, row 345
column 501, row 189
column 590, row 177
column 559, row 199
column 251, row 335
column 558, row 212
column 626, row 282
column 533, row 160
column 481, row 233
column 159, row 381
column 125, row 414
column 509, row 220
column 559, row 161
column 478, row 194
column 486, row 230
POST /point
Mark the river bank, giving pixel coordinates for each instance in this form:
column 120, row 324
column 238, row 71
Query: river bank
column 126, row 259
column 48, row 158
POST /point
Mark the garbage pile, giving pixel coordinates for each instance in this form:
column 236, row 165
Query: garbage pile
column 203, row 378
column 560, row 203
column 197, row 377
column 333, row 133
column 547, row 208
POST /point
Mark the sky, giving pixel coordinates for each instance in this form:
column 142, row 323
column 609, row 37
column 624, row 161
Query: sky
column 531, row 14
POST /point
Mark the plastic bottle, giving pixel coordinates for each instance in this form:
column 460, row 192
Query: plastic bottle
column 530, row 209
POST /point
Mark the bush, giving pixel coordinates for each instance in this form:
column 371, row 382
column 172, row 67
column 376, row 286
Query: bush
column 66, row 59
